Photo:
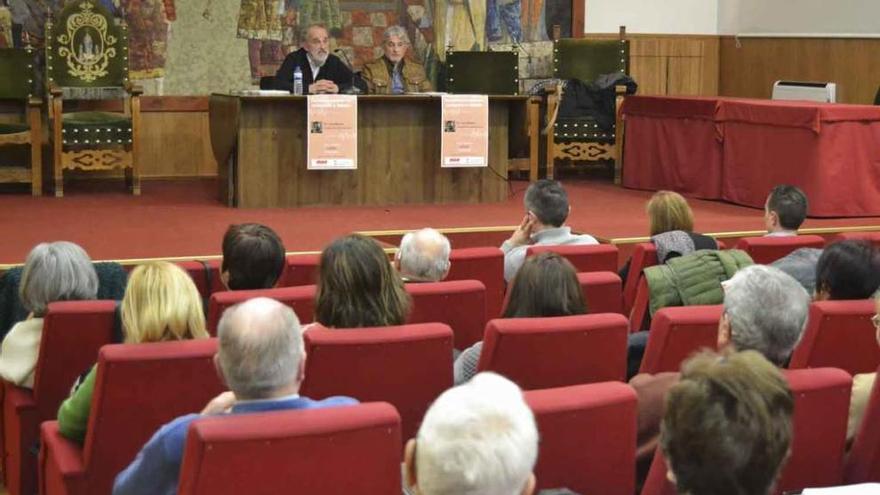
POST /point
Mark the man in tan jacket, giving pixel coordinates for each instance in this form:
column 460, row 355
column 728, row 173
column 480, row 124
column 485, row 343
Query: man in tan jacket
column 390, row 73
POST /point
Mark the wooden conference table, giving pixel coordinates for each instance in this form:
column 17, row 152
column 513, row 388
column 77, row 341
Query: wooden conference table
column 260, row 146
column 737, row 149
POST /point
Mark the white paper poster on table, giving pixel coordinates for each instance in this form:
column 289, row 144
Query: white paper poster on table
column 464, row 122
column 332, row 132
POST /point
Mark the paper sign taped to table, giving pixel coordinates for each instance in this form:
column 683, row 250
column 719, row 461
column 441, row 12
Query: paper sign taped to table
column 332, row 132
column 464, row 125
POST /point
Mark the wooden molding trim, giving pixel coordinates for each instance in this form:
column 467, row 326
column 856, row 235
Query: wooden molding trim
column 631, row 36
column 152, row 104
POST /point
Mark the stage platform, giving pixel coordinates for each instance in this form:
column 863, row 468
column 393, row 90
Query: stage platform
column 182, row 219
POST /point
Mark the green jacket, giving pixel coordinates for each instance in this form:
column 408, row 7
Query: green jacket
column 73, row 415
column 694, row 279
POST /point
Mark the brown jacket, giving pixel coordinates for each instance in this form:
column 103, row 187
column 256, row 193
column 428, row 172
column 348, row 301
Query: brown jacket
column 377, row 75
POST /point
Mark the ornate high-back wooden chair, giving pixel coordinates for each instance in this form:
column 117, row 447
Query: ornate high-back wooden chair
column 581, row 139
column 87, row 59
column 17, row 86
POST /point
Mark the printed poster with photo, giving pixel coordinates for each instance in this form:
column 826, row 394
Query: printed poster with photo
column 464, row 122
column 332, row 132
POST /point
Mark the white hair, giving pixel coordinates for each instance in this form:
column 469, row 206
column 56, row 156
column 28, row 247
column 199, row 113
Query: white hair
column 424, row 255
column 56, row 271
column 477, row 438
column 396, row 31
column 260, row 347
column 767, row 309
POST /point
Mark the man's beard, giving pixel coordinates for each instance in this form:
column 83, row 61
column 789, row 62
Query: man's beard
column 319, row 58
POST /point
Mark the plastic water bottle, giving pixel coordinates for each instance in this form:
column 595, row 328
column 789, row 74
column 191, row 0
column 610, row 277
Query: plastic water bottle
column 297, row 81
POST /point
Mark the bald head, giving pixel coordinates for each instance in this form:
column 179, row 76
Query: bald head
column 424, row 256
column 261, row 349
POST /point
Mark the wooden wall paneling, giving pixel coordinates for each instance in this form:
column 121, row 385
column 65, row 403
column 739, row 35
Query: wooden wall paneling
column 176, row 144
column 749, row 66
column 683, row 76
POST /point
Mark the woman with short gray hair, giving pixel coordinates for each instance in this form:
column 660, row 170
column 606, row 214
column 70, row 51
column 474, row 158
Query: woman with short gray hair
column 56, row 271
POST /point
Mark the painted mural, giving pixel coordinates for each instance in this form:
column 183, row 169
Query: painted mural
column 201, row 46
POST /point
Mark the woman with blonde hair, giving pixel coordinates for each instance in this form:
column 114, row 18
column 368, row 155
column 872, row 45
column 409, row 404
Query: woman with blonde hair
column 672, row 225
column 161, row 304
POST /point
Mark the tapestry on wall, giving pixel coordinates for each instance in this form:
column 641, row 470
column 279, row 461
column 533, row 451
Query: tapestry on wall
column 202, row 46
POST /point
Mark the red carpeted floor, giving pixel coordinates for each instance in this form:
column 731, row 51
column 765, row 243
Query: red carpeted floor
column 183, row 218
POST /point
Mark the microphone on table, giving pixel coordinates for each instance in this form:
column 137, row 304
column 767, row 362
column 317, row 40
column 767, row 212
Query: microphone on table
column 353, row 90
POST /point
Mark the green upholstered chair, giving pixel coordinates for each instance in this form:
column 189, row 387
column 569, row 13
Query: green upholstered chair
column 87, row 59
column 580, row 140
column 486, row 73
column 17, row 84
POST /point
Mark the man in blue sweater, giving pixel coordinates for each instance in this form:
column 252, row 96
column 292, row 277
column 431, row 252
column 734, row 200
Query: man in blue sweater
column 261, row 357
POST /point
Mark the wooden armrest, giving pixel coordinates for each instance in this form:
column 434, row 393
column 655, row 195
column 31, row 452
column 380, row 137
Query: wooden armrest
column 35, row 102
column 55, row 90
column 134, row 89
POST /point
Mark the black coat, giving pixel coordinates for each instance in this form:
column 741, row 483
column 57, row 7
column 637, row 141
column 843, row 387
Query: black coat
column 333, row 70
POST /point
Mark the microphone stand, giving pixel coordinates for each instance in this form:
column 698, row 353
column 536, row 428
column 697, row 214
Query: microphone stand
column 353, row 90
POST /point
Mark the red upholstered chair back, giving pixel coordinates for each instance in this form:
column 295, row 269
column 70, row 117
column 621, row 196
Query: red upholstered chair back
column 839, row 334
column 644, row 255
column 556, row 352
column 588, row 437
column 301, row 299
column 640, row 306
column 678, row 332
column 602, row 291
column 302, row 269
column 138, row 388
column 73, row 332
column 590, row 258
column 485, row 264
column 821, row 407
column 206, row 275
column 408, row 366
column 821, row 403
column 461, row 304
column 342, row 450
column 764, row 250
column 872, row 237
column 863, row 463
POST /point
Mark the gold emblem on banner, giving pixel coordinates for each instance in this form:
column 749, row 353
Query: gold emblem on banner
column 87, row 47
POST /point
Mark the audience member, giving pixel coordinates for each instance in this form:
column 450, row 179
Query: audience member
column 672, row 225
column 765, row 310
column 161, row 303
column 862, row 385
column 261, row 357
column 728, row 425
column 253, row 257
column 785, row 211
column 547, row 208
column 848, row 270
column 477, row 438
column 801, row 264
column 57, row 271
column 358, row 287
column 545, row 285
column 423, row 256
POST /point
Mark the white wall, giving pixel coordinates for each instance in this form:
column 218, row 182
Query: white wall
column 816, row 17
column 652, row 16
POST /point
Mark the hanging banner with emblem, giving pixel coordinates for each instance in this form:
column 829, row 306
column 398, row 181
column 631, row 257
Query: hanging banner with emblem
column 332, row 132
column 464, row 125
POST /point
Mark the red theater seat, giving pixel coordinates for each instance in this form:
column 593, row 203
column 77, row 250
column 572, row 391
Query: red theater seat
column 138, row 388
column 588, row 437
column 676, row 333
column 863, row 463
column 408, row 366
column 839, row 334
column 344, row 450
column 301, row 299
column 485, row 264
column 872, row 237
column 556, row 352
column 461, row 304
column 602, row 291
column 644, row 255
column 205, row 274
column 73, row 332
column 821, row 405
column 302, row 269
column 589, row 258
column 765, row 250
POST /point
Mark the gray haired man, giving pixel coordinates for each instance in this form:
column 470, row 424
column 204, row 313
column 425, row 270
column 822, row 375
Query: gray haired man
column 423, row 256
